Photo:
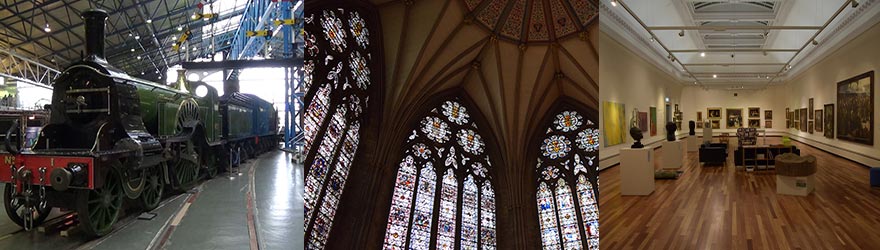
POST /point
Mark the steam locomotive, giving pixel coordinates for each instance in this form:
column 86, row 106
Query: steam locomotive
column 112, row 137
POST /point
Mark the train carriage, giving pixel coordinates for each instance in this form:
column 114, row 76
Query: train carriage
column 111, row 136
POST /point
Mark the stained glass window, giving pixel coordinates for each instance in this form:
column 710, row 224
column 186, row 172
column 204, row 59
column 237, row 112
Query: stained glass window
column 567, row 174
column 338, row 82
column 448, row 141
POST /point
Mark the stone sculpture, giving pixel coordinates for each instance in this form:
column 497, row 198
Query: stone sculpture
column 635, row 131
column 670, row 131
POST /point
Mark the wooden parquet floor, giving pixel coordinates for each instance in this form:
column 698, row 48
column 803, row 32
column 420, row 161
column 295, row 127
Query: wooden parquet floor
column 715, row 207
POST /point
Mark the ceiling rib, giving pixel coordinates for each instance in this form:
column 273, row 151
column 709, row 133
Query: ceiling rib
column 735, row 27
column 730, row 50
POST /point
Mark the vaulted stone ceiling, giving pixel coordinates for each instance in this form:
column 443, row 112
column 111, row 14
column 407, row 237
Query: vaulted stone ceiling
column 432, row 46
column 514, row 72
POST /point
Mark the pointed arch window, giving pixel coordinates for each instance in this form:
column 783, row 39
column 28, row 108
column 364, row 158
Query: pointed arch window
column 443, row 194
column 337, row 74
column 567, row 176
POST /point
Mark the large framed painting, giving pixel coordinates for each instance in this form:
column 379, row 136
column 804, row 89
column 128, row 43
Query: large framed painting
column 829, row 121
column 653, row 125
column 643, row 121
column 716, row 124
column 755, row 123
column 818, row 118
column 734, row 118
column 713, row 113
column 754, row 112
column 614, row 121
column 810, row 106
column 855, row 118
column 768, row 114
column 803, row 117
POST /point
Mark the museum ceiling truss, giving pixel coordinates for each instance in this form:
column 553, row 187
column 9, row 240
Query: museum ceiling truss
column 735, row 44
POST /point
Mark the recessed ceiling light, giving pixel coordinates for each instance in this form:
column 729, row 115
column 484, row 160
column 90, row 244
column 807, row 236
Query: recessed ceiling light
column 137, row 37
column 702, row 54
column 714, row 76
column 614, row 3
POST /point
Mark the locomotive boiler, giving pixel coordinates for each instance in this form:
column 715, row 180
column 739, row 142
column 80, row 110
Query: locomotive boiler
column 113, row 137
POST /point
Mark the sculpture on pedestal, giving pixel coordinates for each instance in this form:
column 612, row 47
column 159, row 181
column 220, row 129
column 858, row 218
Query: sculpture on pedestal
column 691, row 126
column 635, row 131
column 670, row 131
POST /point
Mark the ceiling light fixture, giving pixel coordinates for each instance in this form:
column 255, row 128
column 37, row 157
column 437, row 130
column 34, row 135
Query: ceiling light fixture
column 702, row 54
column 765, row 52
column 714, row 76
column 137, row 37
column 139, row 57
column 681, row 33
column 614, row 3
column 815, row 42
column 179, row 28
column 47, row 29
column 132, row 50
column 855, row 3
column 149, row 21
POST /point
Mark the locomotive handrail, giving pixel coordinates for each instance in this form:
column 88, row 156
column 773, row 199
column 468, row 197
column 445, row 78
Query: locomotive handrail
column 97, row 143
column 80, row 111
column 7, row 143
column 73, row 91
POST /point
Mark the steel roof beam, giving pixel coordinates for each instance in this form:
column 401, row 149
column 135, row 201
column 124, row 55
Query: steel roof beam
column 727, row 27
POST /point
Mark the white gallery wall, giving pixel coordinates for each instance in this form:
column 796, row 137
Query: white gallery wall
column 629, row 79
column 860, row 55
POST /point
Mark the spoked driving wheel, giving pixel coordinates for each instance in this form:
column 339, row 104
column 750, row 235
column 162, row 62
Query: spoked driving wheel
column 186, row 166
column 98, row 209
column 153, row 189
column 17, row 208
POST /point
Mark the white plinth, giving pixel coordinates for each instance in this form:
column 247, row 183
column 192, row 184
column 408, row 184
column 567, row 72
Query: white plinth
column 693, row 143
column 636, row 171
column 789, row 185
column 672, row 154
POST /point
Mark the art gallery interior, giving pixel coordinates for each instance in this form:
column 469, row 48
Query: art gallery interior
column 801, row 73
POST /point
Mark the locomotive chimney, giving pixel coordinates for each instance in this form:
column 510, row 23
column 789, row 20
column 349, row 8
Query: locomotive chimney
column 94, row 23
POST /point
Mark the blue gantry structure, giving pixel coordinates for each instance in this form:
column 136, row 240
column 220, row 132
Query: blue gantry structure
column 146, row 37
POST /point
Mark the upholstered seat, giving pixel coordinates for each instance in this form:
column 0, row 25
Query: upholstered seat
column 713, row 153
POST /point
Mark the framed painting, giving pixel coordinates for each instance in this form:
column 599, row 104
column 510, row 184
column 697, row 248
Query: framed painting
column 788, row 113
column 754, row 112
column 699, row 116
column 810, row 109
column 768, row 124
column 810, row 127
column 699, row 125
column 614, row 123
column 734, row 118
column 803, row 117
column 818, row 119
column 829, row 121
column 768, row 114
column 713, row 113
column 855, row 119
column 716, row 124
column 643, row 121
column 653, row 125
column 755, row 123
column 787, row 124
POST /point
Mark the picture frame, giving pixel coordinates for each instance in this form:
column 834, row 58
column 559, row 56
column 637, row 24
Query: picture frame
column 734, row 118
column 829, row 121
column 653, row 114
column 855, row 98
column 810, row 127
column 699, row 116
column 754, row 123
column 768, row 114
column 716, row 124
column 810, row 111
column 818, row 120
column 787, row 114
column 803, row 117
column 713, row 113
column 699, row 124
column 768, row 124
column 754, row 112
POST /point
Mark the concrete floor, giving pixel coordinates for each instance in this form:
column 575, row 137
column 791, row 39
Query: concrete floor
column 260, row 208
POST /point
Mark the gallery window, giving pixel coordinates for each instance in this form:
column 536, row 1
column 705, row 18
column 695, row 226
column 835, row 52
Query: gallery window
column 443, row 194
column 568, row 177
column 338, row 77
